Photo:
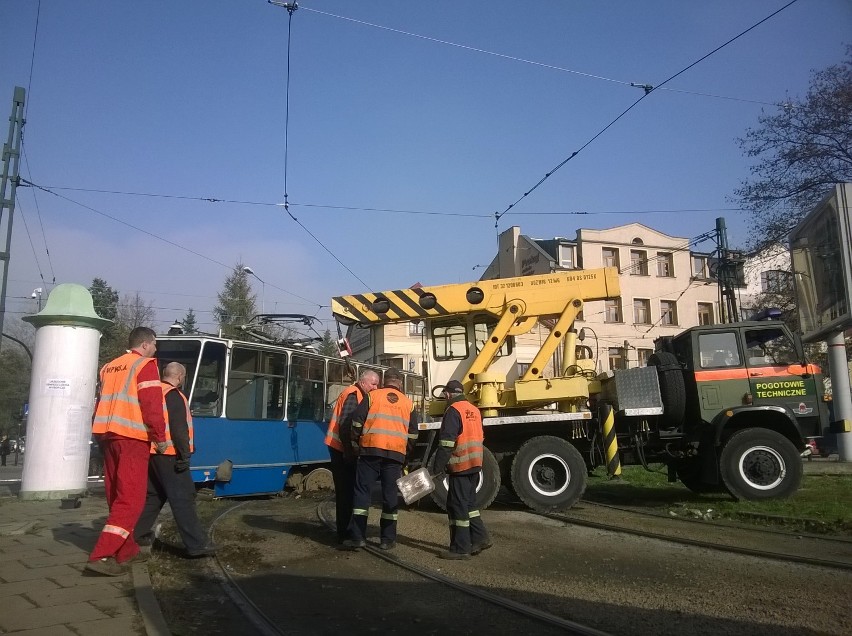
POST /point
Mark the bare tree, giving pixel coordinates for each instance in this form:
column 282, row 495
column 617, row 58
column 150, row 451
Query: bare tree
column 802, row 151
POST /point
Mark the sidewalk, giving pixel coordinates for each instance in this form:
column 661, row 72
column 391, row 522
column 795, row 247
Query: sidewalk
column 43, row 588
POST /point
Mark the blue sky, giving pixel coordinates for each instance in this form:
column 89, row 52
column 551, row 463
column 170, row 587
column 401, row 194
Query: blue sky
column 187, row 99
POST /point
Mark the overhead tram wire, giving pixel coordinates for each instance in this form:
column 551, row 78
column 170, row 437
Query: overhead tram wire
column 291, row 8
column 353, row 208
column 524, row 60
column 25, row 182
column 648, row 89
column 27, row 162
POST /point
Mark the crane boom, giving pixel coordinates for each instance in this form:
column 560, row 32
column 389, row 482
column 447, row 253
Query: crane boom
column 540, row 295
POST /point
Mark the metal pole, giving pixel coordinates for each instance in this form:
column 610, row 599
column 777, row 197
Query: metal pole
column 841, row 395
column 11, row 160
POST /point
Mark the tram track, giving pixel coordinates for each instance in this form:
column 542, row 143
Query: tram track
column 788, row 557
column 266, row 626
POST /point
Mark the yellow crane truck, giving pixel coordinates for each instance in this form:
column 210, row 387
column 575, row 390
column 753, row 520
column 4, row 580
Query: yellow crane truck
column 724, row 407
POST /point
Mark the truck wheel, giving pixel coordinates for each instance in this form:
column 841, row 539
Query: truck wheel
column 486, row 489
column 759, row 463
column 672, row 388
column 549, row 474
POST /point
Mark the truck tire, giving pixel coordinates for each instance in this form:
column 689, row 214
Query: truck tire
column 486, row 489
column 759, row 463
column 549, row 474
column 672, row 388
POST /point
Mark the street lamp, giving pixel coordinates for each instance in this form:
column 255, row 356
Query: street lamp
column 37, row 295
column 250, row 271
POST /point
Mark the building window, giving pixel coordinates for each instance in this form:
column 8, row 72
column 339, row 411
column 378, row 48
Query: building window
column 668, row 312
column 610, row 257
column 415, row 328
column 699, row 267
column 566, row 256
column 665, row 264
column 613, row 310
column 523, row 367
column 775, row 281
column 644, row 355
column 616, row 358
column 638, row 263
column 642, row 311
column 705, row 313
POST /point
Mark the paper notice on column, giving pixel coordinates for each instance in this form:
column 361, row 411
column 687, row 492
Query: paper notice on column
column 78, row 432
column 57, row 387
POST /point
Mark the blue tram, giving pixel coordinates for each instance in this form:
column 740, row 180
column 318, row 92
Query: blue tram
column 260, row 411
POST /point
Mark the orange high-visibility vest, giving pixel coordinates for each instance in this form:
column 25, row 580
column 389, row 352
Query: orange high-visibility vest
column 118, row 409
column 170, row 445
column 332, row 437
column 387, row 421
column 468, row 451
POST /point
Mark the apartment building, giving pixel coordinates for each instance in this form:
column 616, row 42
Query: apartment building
column 665, row 288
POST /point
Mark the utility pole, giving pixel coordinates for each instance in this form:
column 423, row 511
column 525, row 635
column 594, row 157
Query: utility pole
column 726, row 275
column 9, row 183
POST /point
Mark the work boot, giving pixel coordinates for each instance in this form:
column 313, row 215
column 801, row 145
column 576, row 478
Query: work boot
column 353, row 544
column 208, row 550
column 479, row 547
column 106, row 566
column 387, row 545
column 454, row 556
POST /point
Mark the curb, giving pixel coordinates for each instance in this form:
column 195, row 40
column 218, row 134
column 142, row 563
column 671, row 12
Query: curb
column 149, row 608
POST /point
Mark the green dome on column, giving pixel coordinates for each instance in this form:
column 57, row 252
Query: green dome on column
column 69, row 304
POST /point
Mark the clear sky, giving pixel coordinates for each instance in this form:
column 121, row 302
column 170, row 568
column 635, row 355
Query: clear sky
column 410, row 126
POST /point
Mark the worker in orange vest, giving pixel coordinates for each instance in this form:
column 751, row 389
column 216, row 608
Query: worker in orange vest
column 384, row 429
column 460, row 455
column 342, row 455
column 128, row 418
column 169, row 478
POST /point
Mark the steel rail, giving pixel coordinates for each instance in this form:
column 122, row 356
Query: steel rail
column 570, row 627
column 737, row 526
column 264, row 625
column 696, row 543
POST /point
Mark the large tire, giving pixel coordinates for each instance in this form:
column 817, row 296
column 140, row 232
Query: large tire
column 549, row 474
column 672, row 388
column 759, row 463
column 486, row 489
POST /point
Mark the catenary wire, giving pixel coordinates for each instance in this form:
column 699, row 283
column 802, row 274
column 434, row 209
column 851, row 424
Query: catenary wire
column 648, row 91
column 351, row 208
column 524, row 60
column 155, row 236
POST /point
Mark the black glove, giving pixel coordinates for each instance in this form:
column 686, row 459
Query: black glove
column 181, row 465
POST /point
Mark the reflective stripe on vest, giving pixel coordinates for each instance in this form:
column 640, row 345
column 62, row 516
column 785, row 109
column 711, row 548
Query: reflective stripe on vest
column 387, row 421
column 332, row 437
column 170, row 445
column 118, row 409
column 469, row 449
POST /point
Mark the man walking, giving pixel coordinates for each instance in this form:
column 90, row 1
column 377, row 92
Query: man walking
column 460, row 455
column 128, row 417
column 168, row 474
column 342, row 455
column 384, row 429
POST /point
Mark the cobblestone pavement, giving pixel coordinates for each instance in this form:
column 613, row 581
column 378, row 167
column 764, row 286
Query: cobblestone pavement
column 43, row 588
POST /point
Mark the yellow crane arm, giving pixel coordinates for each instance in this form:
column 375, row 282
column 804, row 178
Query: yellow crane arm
column 540, row 295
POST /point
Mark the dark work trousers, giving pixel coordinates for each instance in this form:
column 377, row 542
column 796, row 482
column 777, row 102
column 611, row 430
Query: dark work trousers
column 125, row 475
column 466, row 526
column 343, row 473
column 164, row 484
column 367, row 471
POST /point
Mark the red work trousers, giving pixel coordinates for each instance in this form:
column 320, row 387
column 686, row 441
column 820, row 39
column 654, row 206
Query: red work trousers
column 126, row 482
